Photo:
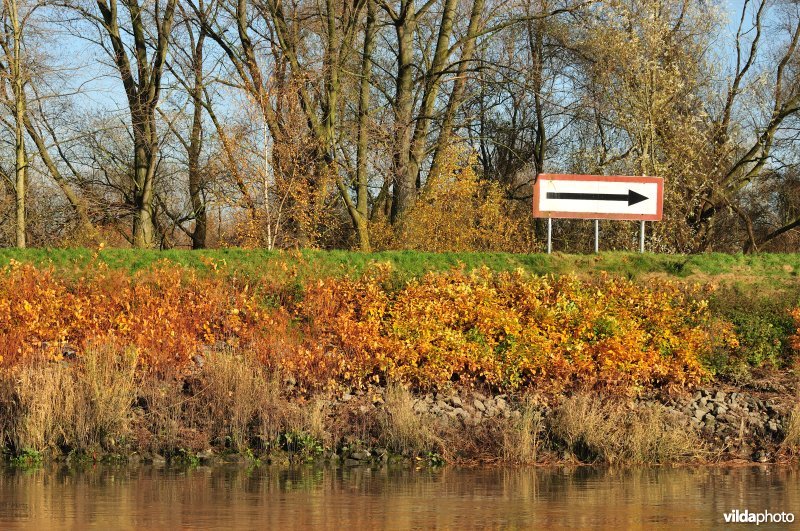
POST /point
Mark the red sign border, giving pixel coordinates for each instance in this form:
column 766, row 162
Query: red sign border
column 599, row 215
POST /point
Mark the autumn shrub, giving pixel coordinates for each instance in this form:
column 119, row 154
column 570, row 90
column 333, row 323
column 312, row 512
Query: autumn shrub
column 506, row 331
column 167, row 313
column 513, row 330
column 762, row 320
column 794, row 339
column 457, row 211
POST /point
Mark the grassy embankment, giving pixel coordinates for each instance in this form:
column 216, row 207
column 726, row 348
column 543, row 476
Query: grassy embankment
column 218, row 351
column 778, row 269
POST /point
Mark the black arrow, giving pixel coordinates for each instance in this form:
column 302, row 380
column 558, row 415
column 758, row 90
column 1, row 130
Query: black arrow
column 631, row 197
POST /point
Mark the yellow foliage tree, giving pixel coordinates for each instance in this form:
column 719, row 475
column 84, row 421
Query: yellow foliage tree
column 457, row 211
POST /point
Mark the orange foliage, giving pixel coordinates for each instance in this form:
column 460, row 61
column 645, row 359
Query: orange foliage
column 506, row 330
column 794, row 340
column 513, row 330
column 167, row 313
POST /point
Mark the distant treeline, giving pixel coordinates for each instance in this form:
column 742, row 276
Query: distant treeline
column 394, row 124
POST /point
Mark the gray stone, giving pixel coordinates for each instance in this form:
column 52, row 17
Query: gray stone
column 455, row 401
column 700, row 413
column 360, row 455
column 480, row 406
column 421, row 407
column 720, row 396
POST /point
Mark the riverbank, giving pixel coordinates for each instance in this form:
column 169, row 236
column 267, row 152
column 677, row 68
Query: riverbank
column 464, row 365
column 230, row 409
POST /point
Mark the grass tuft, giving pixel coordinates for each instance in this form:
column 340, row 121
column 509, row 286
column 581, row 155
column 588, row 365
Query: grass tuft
column 792, row 439
column 522, row 437
column 595, row 431
column 403, row 430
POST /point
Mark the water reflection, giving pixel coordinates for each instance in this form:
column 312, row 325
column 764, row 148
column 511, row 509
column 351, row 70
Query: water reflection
column 399, row 498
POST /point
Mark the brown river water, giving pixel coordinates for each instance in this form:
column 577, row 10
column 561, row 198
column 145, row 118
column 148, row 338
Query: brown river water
column 236, row 497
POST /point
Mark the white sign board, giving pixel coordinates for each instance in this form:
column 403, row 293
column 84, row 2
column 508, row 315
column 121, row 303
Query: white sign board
column 598, row 197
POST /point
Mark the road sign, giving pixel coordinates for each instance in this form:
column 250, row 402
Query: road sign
column 598, row 197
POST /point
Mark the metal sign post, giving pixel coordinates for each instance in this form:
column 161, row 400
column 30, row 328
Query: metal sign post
column 596, row 236
column 641, row 237
column 549, row 235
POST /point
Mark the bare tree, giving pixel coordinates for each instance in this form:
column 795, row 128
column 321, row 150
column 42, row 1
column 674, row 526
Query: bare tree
column 137, row 41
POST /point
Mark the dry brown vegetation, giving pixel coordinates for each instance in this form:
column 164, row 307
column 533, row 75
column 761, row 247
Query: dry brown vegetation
column 85, row 406
column 595, row 430
column 523, row 436
column 405, row 431
column 792, row 439
column 101, row 407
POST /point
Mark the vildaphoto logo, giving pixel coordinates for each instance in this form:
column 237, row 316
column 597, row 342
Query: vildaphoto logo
column 765, row 517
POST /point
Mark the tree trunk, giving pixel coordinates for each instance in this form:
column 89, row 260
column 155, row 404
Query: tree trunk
column 361, row 217
column 458, row 91
column 144, row 171
column 404, row 190
column 21, row 166
column 195, row 148
column 21, row 158
column 431, row 91
column 142, row 92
